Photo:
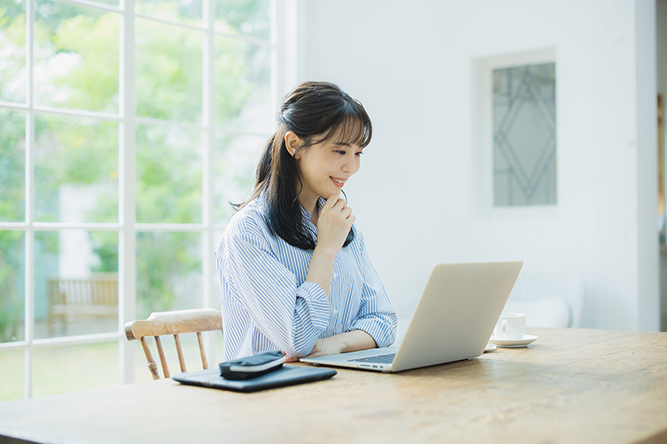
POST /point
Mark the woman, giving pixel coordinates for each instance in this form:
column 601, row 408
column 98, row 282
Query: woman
column 293, row 268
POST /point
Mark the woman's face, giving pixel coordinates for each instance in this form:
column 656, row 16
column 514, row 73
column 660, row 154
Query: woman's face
column 325, row 167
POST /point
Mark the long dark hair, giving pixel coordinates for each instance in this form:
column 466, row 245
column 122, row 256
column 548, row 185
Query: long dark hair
column 316, row 112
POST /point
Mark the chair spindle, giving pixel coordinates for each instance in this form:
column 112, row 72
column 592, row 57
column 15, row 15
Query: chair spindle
column 181, row 360
column 204, row 363
column 152, row 366
column 163, row 359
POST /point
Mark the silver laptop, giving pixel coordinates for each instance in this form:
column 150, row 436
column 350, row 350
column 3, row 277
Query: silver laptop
column 453, row 321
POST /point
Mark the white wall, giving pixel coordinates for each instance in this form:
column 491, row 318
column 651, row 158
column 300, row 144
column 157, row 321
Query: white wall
column 418, row 198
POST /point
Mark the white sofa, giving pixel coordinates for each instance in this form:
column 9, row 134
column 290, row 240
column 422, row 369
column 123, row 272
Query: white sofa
column 548, row 300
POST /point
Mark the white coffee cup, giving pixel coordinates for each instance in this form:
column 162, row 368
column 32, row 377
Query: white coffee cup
column 510, row 326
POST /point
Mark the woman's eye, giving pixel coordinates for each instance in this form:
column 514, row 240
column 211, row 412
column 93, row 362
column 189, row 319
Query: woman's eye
column 359, row 153
column 341, row 152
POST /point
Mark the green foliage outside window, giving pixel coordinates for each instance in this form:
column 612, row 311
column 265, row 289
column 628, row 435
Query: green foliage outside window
column 80, row 152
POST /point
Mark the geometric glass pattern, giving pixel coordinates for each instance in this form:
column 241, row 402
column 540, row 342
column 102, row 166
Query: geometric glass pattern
column 524, row 135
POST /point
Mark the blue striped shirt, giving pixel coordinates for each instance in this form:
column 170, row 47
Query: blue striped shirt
column 267, row 303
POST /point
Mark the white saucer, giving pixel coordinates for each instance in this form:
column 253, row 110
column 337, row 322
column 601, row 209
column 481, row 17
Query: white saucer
column 514, row 343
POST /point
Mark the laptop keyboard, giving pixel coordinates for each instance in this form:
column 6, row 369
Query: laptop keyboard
column 380, row 359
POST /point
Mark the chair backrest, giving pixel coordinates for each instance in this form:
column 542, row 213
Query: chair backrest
column 173, row 323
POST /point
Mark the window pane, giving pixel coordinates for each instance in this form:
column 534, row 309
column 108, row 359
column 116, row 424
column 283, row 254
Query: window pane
column 244, row 17
column 169, row 174
column 107, row 2
column 75, row 368
column 189, row 11
column 169, row 272
column 76, row 170
column 524, row 115
column 13, row 74
column 169, row 72
column 12, row 363
column 76, row 282
column 76, row 57
column 12, row 166
column 242, row 85
column 12, row 286
column 235, row 162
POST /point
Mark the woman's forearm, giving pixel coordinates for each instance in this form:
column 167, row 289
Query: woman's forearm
column 342, row 343
column 321, row 269
column 355, row 340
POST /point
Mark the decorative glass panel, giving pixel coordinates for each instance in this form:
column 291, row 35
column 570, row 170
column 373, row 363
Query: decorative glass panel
column 12, row 166
column 13, row 73
column 235, row 162
column 76, row 282
column 524, row 119
column 169, row 174
column 169, row 272
column 244, row 17
column 76, row 57
column 74, row 368
column 12, row 286
column 242, row 86
column 169, row 72
column 76, row 170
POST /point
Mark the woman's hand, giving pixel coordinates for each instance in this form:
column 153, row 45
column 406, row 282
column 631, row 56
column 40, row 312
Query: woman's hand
column 333, row 225
column 327, row 346
column 342, row 343
column 347, row 342
column 324, row 346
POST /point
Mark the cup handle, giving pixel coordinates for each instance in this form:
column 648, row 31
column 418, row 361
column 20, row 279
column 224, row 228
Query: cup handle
column 503, row 328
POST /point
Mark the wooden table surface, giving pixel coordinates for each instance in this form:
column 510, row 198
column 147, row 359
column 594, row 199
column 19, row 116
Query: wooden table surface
column 570, row 386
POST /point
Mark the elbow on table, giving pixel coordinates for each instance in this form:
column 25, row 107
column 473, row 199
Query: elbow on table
column 300, row 347
column 299, row 351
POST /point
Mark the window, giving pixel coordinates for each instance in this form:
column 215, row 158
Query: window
column 524, row 135
column 127, row 127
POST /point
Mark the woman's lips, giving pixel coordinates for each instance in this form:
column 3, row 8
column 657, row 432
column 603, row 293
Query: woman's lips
column 338, row 182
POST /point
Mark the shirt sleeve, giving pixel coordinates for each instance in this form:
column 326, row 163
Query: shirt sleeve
column 292, row 316
column 376, row 315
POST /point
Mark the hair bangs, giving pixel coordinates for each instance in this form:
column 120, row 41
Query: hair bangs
column 352, row 129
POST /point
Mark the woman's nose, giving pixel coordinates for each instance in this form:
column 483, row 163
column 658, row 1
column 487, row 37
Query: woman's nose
column 351, row 165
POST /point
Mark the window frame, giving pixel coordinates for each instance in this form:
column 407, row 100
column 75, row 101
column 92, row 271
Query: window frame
column 282, row 44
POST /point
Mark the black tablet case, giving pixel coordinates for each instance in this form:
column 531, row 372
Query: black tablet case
column 287, row 375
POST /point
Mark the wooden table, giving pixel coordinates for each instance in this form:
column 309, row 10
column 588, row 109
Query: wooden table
column 570, row 386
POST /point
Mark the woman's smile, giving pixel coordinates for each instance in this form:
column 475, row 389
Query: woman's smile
column 338, row 182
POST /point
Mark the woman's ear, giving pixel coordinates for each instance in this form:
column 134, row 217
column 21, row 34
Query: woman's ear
column 293, row 143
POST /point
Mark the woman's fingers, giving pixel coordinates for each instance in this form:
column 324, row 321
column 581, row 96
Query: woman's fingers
column 333, row 224
column 332, row 201
column 338, row 205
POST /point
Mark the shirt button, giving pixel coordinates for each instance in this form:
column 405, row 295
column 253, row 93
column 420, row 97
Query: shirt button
column 335, row 311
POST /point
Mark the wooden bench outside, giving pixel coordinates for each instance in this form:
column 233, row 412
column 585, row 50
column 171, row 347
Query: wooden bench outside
column 96, row 295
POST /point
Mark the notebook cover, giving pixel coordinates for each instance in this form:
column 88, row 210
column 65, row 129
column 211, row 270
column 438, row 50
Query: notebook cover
column 287, row 375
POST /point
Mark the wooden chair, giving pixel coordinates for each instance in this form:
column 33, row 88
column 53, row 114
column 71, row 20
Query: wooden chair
column 173, row 323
